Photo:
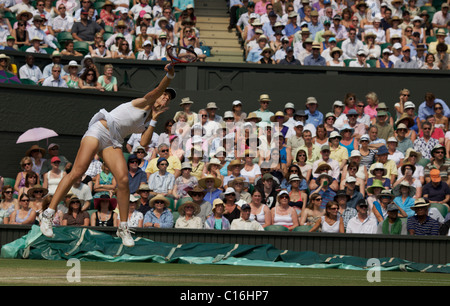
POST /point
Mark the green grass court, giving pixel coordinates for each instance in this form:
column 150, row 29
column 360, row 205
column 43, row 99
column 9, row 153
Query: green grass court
column 17, row 272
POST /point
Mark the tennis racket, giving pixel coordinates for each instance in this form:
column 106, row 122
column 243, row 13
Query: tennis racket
column 181, row 55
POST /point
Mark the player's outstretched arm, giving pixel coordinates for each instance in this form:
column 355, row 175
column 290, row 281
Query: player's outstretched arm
column 149, row 99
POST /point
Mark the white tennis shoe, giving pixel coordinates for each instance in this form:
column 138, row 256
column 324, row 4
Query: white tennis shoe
column 124, row 233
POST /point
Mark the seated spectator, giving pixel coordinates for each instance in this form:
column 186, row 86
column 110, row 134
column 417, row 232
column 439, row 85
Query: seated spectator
column 104, row 183
column 20, row 34
column 404, row 197
column 379, row 172
column 331, row 222
column 211, row 185
column 107, row 14
column 315, row 59
column 136, row 176
column 313, row 211
column 159, row 216
column 421, row 224
column 72, row 69
column 69, row 50
column 36, row 46
column 255, row 54
column 197, row 194
column 63, row 22
column 384, row 61
column 217, row 220
column 124, row 51
column 75, row 216
column 336, row 61
column 267, row 54
column 389, row 165
column 135, row 216
column 244, row 222
column 24, row 214
column 407, row 171
column 363, row 222
column 436, row 191
column 361, row 58
column 185, row 182
column 163, row 151
column 37, row 194
column 89, row 80
column 345, row 211
column 188, row 216
column 55, row 80
column 379, row 209
column 351, row 45
column 161, row 182
column 7, row 204
column 406, row 62
column 104, row 216
column 107, row 80
column 232, row 210
column 146, row 53
column 30, row 70
column 21, row 178
column 144, row 199
column 426, row 143
column 392, row 225
column 85, row 29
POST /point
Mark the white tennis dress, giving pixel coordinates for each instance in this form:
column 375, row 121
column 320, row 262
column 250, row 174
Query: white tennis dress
column 122, row 121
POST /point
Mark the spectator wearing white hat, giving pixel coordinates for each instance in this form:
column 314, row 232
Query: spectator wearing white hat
column 361, row 58
column 147, row 53
column 394, row 153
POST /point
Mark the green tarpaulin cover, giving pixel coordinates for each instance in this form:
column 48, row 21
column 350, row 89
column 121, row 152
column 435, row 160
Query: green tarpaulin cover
column 89, row 245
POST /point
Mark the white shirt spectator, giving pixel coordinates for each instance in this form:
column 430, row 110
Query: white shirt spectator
column 248, row 225
column 350, row 48
column 33, row 50
column 62, row 24
column 51, row 82
column 31, row 73
column 367, row 226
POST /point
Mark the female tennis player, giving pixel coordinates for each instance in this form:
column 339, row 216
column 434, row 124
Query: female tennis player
column 105, row 136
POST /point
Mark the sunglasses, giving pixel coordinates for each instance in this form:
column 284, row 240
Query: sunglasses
column 25, row 200
column 159, row 202
column 166, row 150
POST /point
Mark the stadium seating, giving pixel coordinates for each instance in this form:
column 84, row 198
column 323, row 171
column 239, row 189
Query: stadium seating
column 276, row 228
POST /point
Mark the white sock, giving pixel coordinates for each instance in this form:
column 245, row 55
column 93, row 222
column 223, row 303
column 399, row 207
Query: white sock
column 123, row 224
column 49, row 212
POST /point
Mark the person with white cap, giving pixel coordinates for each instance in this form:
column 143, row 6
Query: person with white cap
column 394, row 153
column 147, row 53
column 105, row 136
column 361, row 58
column 238, row 114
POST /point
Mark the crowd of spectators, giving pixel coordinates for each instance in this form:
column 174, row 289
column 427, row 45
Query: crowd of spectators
column 90, row 30
column 361, row 167
column 409, row 34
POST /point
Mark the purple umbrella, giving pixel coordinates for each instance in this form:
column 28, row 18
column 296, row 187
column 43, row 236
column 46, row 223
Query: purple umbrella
column 36, row 134
column 7, row 77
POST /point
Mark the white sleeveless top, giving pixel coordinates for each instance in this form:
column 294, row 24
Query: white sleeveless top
column 122, row 121
column 326, row 228
column 282, row 219
column 260, row 217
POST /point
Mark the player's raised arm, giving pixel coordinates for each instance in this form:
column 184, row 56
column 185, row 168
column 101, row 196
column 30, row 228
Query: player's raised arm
column 149, row 99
